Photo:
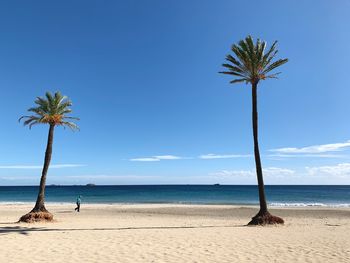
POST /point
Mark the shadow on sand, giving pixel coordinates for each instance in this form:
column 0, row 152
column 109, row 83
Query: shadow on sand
column 27, row 230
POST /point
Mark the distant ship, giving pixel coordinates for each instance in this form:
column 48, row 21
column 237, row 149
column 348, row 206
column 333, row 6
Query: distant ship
column 216, row 184
column 90, row 185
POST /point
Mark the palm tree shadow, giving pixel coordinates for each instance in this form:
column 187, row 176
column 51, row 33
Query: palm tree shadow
column 8, row 223
column 26, row 230
column 18, row 229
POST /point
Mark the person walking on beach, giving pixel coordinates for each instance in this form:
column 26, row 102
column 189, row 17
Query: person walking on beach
column 78, row 203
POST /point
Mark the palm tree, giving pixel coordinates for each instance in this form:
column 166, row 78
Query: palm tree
column 252, row 65
column 51, row 110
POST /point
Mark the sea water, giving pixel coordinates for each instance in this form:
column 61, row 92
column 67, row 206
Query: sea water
column 277, row 195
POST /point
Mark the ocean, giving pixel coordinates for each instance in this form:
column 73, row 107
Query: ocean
column 277, row 195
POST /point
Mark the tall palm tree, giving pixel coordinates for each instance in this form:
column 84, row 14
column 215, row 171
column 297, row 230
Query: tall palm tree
column 51, row 110
column 251, row 65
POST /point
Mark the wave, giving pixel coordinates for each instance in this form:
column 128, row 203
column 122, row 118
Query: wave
column 309, row 205
column 32, row 203
column 273, row 204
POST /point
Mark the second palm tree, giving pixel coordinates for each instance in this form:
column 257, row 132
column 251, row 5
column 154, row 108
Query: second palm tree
column 251, row 66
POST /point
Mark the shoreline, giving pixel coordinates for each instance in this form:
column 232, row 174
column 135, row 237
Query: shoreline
column 242, row 211
column 150, row 204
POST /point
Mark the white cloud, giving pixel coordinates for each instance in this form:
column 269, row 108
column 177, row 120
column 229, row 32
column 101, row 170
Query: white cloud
column 279, row 156
column 209, row 156
column 145, row 159
column 84, row 179
column 156, row 158
column 278, row 172
column 223, row 156
column 17, row 178
column 40, row 166
column 322, row 148
column 234, row 173
column 168, row 157
column 270, row 171
column 324, row 175
column 338, row 170
column 111, row 177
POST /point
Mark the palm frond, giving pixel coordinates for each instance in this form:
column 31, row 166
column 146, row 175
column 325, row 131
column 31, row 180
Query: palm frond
column 270, row 54
column 70, row 125
column 269, row 59
column 239, row 80
column 275, row 65
column 43, row 104
column 243, row 57
column 33, row 123
column 273, row 76
column 234, row 61
column 30, row 120
column 260, row 49
column 233, row 68
column 232, row 73
column 63, row 107
column 71, row 118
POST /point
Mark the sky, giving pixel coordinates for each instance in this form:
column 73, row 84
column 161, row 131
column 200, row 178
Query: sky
column 143, row 78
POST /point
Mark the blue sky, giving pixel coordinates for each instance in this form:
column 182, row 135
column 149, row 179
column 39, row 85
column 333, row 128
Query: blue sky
column 143, row 79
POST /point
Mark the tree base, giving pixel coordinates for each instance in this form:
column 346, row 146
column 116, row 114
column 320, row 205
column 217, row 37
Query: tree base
column 33, row 217
column 265, row 218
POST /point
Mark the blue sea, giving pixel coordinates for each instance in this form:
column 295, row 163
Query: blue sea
column 277, row 195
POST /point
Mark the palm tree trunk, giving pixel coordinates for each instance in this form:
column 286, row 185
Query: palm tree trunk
column 259, row 173
column 263, row 217
column 40, row 201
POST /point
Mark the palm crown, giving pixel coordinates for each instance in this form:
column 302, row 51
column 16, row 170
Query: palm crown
column 53, row 110
column 252, row 63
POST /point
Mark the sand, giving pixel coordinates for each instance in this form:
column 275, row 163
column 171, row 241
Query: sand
column 174, row 233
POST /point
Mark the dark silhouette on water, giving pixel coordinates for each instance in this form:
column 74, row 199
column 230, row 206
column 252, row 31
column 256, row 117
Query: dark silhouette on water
column 251, row 66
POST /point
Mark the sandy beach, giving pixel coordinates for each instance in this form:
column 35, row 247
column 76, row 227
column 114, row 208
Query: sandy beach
column 174, row 233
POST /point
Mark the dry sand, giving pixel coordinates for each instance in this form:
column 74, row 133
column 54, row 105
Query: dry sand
column 174, row 233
